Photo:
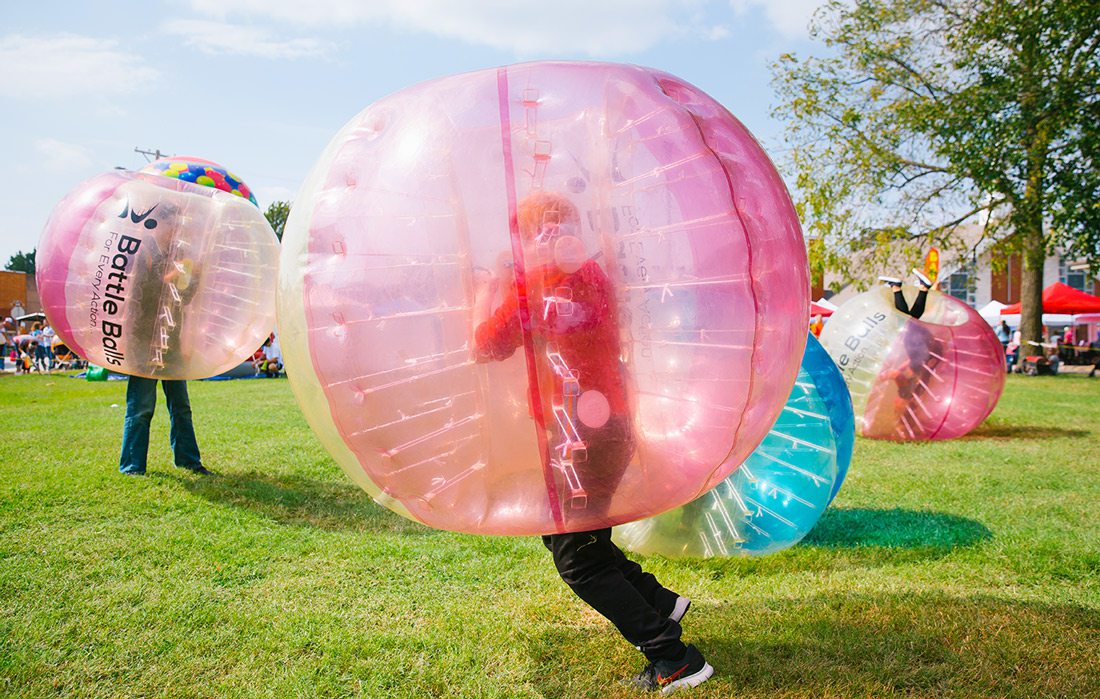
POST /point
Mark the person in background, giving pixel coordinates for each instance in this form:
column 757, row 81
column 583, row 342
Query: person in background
column 1065, row 350
column 817, row 325
column 48, row 336
column 39, row 354
column 1095, row 347
column 27, row 351
column 5, row 338
column 1004, row 334
column 1014, row 349
column 268, row 359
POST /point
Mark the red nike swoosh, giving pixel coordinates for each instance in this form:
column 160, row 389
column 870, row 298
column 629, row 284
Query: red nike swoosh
column 665, row 680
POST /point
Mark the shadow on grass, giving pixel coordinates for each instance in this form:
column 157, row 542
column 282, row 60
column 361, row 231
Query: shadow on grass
column 857, row 645
column 847, row 537
column 294, row 500
column 1022, row 432
column 895, row 528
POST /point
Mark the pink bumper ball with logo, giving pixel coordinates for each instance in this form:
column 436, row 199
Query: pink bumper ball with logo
column 155, row 276
column 936, row 377
column 542, row 298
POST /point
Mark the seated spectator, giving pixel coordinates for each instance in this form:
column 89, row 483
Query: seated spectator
column 27, row 352
column 268, row 359
column 1055, row 361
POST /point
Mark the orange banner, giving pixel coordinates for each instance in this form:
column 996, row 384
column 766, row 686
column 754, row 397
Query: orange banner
column 932, row 265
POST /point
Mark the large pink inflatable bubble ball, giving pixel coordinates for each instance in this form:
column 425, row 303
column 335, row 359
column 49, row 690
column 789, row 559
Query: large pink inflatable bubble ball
column 542, row 298
column 936, row 377
column 156, row 276
column 199, row 171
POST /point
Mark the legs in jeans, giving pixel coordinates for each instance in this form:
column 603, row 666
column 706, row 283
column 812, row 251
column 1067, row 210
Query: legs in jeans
column 616, row 587
column 141, row 403
column 185, row 447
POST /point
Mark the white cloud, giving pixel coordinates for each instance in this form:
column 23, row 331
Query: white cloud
column 266, row 196
column 593, row 27
column 716, row 33
column 224, row 38
column 791, row 18
column 58, row 156
column 68, row 65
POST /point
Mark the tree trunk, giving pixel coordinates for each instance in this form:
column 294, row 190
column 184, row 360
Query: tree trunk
column 1029, row 216
column 1031, row 287
column 1029, row 223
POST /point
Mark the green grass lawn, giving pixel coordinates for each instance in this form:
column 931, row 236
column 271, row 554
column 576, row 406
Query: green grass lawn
column 962, row 568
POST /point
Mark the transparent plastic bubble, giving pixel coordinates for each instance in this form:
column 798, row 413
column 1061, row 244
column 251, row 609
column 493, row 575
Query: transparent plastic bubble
column 936, row 377
column 542, row 298
column 777, row 496
column 152, row 276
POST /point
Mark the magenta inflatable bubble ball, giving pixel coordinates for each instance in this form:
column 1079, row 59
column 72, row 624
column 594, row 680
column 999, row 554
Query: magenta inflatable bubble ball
column 158, row 277
column 542, row 298
column 936, row 377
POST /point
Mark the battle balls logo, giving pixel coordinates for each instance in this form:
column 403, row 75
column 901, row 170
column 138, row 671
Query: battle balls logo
column 852, row 342
column 109, row 288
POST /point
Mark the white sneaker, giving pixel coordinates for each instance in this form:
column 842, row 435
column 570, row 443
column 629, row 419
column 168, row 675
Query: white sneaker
column 923, row 280
column 890, row 281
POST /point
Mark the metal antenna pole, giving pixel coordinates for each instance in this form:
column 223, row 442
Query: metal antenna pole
column 150, row 155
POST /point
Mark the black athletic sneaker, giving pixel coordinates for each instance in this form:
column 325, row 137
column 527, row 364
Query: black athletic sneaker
column 198, row 470
column 670, row 675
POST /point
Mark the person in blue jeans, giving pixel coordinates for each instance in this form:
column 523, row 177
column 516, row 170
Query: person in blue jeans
column 141, row 402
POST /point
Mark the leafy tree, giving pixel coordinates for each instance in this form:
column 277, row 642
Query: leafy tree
column 22, row 262
column 276, row 215
column 927, row 115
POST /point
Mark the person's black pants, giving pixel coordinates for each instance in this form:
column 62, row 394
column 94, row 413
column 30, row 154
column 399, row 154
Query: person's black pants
column 918, row 304
column 617, row 587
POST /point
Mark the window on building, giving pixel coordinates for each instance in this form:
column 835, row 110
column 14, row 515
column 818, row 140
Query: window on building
column 959, row 286
column 1069, row 276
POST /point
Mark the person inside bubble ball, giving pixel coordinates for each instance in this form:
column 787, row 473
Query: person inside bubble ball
column 923, row 353
column 574, row 329
column 160, row 268
column 924, row 285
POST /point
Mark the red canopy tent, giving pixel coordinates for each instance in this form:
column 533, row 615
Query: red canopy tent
column 1062, row 298
column 816, row 310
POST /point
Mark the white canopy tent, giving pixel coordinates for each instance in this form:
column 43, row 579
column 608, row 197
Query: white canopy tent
column 992, row 314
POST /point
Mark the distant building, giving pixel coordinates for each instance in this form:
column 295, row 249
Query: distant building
column 18, row 289
column 972, row 276
column 977, row 282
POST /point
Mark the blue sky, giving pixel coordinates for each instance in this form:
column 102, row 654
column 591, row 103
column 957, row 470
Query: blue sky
column 260, row 86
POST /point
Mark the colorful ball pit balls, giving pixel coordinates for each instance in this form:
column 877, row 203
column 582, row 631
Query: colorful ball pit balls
column 937, row 377
column 777, row 496
column 203, row 172
column 542, row 298
column 156, row 276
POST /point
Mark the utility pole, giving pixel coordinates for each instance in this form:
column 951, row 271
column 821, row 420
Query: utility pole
column 150, row 155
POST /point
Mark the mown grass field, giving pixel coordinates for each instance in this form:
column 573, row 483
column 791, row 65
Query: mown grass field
column 965, row 568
